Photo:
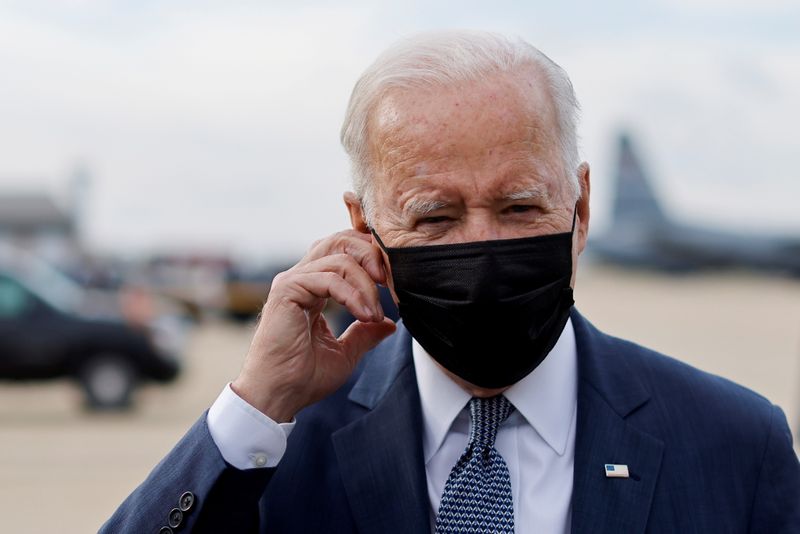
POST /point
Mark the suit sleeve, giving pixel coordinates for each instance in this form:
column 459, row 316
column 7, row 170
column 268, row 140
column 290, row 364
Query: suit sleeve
column 776, row 509
column 194, row 476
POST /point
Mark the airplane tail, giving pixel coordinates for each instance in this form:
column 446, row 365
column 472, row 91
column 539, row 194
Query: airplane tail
column 635, row 202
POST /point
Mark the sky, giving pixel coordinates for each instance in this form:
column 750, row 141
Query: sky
column 213, row 126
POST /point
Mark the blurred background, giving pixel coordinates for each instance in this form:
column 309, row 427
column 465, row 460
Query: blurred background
column 161, row 161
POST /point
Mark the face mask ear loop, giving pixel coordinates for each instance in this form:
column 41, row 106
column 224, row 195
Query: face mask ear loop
column 374, row 233
column 378, row 239
column 574, row 217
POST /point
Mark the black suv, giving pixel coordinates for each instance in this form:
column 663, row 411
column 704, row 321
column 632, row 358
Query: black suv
column 51, row 327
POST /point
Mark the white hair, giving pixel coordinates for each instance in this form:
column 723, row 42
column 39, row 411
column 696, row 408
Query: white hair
column 438, row 59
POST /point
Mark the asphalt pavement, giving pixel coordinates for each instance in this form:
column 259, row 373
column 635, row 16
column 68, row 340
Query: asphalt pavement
column 65, row 471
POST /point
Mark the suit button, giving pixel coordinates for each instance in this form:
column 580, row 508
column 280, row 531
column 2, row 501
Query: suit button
column 175, row 518
column 186, row 501
column 165, row 530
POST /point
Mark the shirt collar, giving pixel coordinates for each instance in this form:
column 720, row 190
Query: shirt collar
column 546, row 398
column 441, row 398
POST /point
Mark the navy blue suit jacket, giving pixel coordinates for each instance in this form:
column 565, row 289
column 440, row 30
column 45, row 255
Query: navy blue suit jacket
column 705, row 455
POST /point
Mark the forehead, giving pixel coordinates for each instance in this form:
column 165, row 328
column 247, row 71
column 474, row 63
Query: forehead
column 470, row 120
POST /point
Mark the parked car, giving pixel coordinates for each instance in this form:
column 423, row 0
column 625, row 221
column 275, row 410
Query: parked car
column 51, row 327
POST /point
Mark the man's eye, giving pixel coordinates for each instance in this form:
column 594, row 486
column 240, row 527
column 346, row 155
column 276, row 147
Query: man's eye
column 519, row 208
column 434, row 220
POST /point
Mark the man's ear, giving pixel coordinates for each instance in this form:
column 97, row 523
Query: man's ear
column 583, row 205
column 357, row 219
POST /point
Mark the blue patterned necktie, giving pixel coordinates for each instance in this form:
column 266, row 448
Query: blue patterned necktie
column 477, row 494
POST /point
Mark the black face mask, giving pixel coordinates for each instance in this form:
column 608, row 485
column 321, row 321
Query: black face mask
column 487, row 311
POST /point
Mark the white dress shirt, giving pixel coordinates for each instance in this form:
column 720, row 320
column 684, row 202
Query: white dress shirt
column 537, row 441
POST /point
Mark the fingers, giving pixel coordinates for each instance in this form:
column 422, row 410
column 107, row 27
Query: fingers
column 305, row 290
column 345, row 267
column 352, row 272
column 361, row 337
column 355, row 244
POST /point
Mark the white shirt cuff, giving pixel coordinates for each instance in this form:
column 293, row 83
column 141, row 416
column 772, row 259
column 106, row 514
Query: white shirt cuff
column 245, row 437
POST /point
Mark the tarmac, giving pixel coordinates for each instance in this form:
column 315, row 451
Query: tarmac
column 63, row 470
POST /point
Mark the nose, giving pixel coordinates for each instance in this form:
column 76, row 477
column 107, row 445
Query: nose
column 480, row 226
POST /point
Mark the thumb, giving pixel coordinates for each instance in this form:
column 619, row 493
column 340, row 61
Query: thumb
column 361, row 337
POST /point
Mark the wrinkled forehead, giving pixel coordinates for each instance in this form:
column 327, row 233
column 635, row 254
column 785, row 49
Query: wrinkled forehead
column 472, row 114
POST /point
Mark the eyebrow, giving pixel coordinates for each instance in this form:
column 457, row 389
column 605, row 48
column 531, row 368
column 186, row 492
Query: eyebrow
column 536, row 192
column 423, row 206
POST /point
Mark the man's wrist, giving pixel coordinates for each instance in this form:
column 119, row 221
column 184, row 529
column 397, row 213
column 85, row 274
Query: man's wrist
column 272, row 404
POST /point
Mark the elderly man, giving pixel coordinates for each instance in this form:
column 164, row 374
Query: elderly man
column 493, row 406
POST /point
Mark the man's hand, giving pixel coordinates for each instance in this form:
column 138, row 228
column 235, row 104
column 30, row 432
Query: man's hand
column 294, row 359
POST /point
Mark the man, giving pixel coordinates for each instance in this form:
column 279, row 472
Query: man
column 492, row 406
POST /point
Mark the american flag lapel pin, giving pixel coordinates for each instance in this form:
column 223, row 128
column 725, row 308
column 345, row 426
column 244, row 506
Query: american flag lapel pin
column 617, row 471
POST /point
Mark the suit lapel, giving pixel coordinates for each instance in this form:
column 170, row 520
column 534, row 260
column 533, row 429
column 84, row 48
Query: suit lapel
column 380, row 454
column 608, row 392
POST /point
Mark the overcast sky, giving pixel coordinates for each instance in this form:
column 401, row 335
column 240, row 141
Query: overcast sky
column 213, row 125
